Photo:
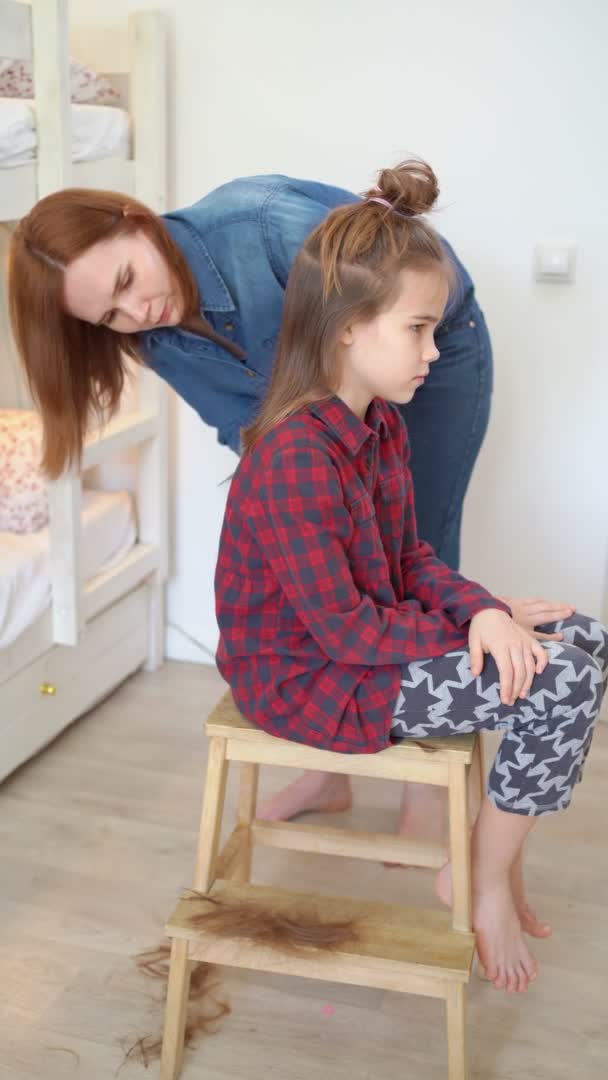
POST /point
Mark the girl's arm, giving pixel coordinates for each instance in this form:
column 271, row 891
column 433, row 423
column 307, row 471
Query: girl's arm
column 303, row 528
column 434, row 585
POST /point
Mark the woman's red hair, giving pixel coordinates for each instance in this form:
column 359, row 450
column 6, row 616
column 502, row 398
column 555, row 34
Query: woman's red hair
column 76, row 370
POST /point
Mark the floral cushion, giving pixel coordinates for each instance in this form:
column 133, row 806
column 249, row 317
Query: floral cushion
column 86, row 86
column 23, row 490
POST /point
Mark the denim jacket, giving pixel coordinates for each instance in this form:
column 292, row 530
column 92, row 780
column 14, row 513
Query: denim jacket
column 240, row 241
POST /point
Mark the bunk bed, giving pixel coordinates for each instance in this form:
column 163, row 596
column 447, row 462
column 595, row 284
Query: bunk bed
column 82, row 600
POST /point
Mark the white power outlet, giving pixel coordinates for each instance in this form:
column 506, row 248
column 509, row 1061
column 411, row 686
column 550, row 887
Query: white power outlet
column 554, row 262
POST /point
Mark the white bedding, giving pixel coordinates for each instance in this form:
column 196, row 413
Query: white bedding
column 98, row 131
column 108, row 534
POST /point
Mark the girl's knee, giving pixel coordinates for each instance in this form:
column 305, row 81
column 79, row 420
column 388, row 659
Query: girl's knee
column 572, row 676
column 588, row 633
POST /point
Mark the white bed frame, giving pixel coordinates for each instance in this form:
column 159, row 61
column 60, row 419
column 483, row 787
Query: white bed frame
column 96, row 633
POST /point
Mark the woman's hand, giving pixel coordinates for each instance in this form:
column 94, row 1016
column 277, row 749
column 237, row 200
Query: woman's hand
column 518, row 655
column 533, row 613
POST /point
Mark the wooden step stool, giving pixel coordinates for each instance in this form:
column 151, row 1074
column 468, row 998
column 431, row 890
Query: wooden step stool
column 418, row 951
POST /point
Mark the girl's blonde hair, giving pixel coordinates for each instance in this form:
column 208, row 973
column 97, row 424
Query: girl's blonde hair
column 76, row 370
column 347, row 271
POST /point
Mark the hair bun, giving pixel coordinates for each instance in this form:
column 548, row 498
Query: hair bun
column 411, row 187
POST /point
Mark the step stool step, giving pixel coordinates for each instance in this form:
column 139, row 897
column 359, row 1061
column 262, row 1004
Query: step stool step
column 227, row 722
column 411, row 950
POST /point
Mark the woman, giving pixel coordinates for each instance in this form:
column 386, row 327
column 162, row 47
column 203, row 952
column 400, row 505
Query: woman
column 197, row 295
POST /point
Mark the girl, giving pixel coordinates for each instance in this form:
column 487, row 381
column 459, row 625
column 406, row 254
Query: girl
column 198, row 294
column 339, row 627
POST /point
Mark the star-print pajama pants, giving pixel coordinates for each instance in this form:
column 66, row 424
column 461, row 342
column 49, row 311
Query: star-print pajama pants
column 546, row 735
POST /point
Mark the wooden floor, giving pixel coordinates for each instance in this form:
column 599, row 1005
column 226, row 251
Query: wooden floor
column 97, row 836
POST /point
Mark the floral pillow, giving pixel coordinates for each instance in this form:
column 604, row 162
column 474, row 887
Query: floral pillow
column 23, row 492
column 86, row 86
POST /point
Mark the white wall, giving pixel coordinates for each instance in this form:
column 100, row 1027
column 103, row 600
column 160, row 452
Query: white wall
column 507, row 103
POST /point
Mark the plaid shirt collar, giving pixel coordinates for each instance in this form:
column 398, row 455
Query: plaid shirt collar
column 348, row 428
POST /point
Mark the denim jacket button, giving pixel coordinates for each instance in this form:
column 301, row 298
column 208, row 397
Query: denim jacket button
column 251, row 374
column 228, row 326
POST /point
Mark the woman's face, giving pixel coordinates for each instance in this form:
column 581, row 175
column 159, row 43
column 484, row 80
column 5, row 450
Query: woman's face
column 123, row 283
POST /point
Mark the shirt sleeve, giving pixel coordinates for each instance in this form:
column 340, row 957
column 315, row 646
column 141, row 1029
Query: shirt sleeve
column 291, row 214
column 304, row 528
column 435, row 585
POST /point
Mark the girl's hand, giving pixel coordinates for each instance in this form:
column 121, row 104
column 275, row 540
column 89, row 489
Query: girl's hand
column 532, row 613
column 518, row 655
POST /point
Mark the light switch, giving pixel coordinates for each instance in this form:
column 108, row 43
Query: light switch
column 555, row 262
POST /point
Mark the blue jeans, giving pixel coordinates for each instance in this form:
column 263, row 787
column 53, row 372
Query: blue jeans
column 447, row 421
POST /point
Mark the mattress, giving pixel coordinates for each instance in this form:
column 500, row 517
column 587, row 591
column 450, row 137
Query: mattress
column 108, row 534
column 98, row 131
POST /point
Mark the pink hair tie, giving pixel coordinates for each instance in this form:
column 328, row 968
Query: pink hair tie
column 383, row 202
column 389, row 206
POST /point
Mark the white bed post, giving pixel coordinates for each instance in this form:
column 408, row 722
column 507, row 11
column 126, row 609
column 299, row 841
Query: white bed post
column 65, row 562
column 148, row 100
column 152, row 509
column 51, row 71
column 51, row 68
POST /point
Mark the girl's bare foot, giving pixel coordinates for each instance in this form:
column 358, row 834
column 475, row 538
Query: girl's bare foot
column 502, row 951
column 443, row 885
column 313, row 790
column 530, row 921
column 422, row 815
column 527, row 917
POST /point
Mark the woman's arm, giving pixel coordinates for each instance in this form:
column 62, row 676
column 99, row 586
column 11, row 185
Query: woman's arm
column 425, row 577
column 291, row 212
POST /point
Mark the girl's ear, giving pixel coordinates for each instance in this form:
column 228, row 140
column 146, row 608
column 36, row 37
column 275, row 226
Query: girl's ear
column 347, row 336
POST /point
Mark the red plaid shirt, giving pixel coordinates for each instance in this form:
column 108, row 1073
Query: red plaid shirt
column 323, row 589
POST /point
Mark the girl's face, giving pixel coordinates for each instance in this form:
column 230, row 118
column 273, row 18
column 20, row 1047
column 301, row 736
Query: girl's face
column 390, row 356
column 124, row 283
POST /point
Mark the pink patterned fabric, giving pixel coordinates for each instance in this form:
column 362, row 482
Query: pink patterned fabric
column 86, row 86
column 23, row 491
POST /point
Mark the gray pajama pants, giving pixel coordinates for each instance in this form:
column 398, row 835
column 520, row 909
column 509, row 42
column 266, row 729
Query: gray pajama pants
column 546, row 735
